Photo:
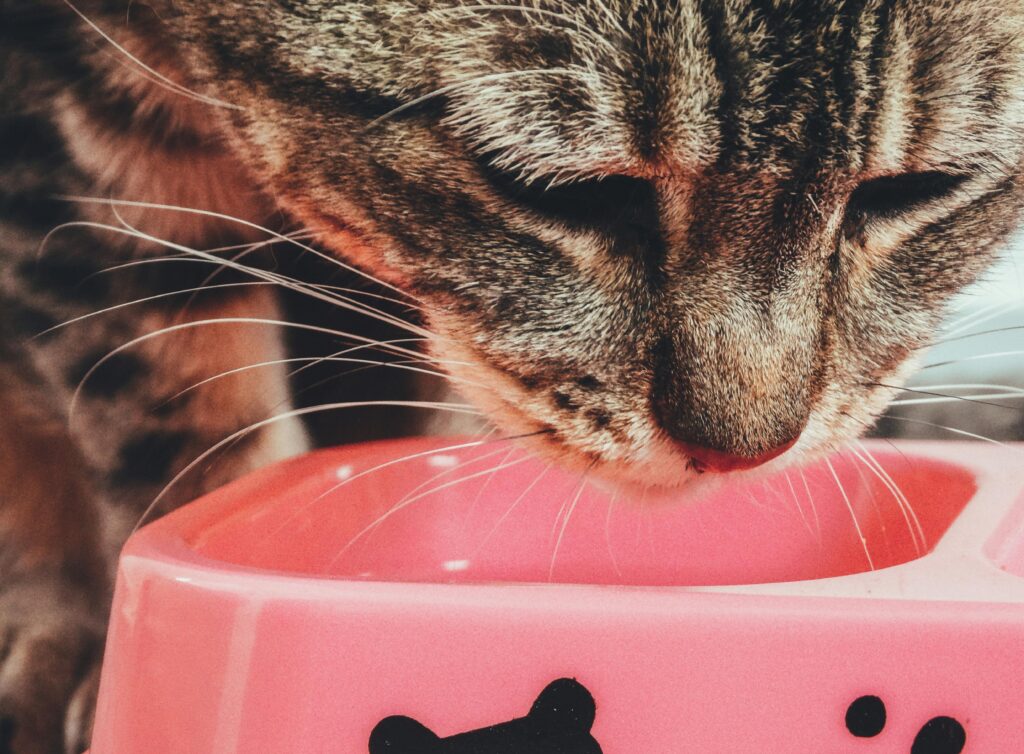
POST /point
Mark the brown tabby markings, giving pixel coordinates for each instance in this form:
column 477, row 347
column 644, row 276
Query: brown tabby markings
column 636, row 223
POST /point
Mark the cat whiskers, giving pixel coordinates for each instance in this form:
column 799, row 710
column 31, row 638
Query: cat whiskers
column 341, row 291
column 799, row 506
column 917, row 533
column 302, row 234
column 407, row 366
column 485, row 440
column 853, row 514
column 487, row 78
column 147, row 72
column 284, row 281
column 221, row 321
column 976, row 357
column 810, row 501
column 511, row 509
column 576, row 494
column 295, row 413
column 178, row 259
column 608, row 534
column 933, row 396
column 954, row 430
column 410, row 499
column 973, row 319
column 113, row 203
column 146, row 300
column 331, row 294
column 968, row 336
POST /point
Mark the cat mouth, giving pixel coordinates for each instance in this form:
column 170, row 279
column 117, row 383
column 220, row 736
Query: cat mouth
column 629, row 450
column 648, row 474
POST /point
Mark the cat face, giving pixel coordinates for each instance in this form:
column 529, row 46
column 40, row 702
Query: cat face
column 674, row 236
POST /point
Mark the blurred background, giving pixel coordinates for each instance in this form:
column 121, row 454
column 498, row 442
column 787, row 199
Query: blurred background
column 979, row 359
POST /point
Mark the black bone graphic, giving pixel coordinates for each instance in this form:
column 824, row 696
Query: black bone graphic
column 558, row 723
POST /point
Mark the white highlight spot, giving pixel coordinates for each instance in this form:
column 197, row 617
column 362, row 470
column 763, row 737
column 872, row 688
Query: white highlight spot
column 455, row 565
column 343, row 472
column 443, row 462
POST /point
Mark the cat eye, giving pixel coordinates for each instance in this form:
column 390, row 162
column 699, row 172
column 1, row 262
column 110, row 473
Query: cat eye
column 893, row 195
column 609, row 204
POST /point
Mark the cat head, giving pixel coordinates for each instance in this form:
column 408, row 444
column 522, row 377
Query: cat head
column 670, row 236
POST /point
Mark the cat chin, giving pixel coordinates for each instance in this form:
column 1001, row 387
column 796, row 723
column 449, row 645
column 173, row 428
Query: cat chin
column 633, row 486
column 655, row 473
column 664, row 477
column 648, row 468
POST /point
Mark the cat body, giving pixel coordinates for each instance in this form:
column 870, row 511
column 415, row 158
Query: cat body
column 661, row 238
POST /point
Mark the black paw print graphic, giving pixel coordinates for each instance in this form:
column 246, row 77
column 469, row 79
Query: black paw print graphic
column 865, row 718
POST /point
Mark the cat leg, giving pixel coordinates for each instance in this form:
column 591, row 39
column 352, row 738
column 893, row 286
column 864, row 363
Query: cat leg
column 202, row 369
column 53, row 575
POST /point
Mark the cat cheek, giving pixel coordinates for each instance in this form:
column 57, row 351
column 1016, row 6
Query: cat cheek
column 352, row 248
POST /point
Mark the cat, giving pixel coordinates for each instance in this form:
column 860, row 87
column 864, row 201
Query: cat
column 661, row 241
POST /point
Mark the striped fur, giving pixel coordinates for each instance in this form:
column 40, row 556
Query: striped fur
column 634, row 225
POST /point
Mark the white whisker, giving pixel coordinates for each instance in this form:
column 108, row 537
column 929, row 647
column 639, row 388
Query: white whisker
column 512, row 508
column 954, row 430
column 973, row 319
column 608, row 534
column 146, row 300
column 421, row 359
column 799, row 507
column 239, row 221
column 476, row 80
column 446, row 472
column 294, row 413
column 917, row 533
column 810, row 501
column 853, row 514
column 483, row 488
column 284, row 281
column 151, row 74
column 979, row 399
column 409, row 501
column 379, row 467
column 333, row 359
column 565, row 523
column 218, row 321
column 979, row 357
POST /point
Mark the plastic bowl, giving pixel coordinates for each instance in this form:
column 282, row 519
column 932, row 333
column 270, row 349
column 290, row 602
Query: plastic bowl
column 503, row 607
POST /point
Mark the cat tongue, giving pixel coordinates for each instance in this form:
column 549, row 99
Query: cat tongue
column 720, row 461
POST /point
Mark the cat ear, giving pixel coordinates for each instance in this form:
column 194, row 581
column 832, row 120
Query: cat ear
column 402, row 735
column 564, row 706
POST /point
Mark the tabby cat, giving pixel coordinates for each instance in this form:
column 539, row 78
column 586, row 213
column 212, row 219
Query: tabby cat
column 660, row 239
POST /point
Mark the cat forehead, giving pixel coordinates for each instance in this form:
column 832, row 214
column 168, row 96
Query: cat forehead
column 591, row 90
column 573, row 88
column 566, row 90
column 597, row 89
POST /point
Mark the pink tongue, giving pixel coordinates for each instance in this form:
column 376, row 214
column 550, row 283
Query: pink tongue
column 720, row 461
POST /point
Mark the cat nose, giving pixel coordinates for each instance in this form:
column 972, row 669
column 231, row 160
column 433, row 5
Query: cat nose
column 721, row 461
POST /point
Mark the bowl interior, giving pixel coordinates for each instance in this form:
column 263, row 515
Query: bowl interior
column 418, row 510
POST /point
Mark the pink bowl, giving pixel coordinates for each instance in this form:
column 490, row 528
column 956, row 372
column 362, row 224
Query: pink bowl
column 300, row 609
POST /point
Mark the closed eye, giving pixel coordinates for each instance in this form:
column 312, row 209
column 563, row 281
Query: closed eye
column 890, row 196
column 606, row 204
